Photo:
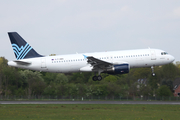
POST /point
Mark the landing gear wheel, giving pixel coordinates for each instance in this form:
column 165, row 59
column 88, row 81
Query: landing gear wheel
column 95, row 78
column 153, row 74
column 99, row 78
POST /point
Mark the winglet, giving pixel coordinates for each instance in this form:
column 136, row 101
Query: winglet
column 85, row 56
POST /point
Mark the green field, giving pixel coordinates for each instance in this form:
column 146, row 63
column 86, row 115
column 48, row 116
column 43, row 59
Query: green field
column 89, row 112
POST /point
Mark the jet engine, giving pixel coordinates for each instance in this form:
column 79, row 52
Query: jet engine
column 119, row 69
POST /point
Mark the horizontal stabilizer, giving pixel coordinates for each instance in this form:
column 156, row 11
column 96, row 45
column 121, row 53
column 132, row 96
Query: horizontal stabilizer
column 22, row 62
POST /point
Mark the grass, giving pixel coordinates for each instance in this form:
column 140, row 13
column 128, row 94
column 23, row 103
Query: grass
column 89, row 112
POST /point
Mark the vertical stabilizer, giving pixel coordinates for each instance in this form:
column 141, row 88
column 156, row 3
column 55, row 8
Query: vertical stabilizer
column 21, row 48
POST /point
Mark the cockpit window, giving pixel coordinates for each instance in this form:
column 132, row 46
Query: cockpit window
column 164, row 53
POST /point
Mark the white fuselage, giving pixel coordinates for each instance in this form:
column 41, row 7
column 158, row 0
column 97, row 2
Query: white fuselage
column 78, row 63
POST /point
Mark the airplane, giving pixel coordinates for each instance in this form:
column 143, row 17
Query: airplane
column 113, row 62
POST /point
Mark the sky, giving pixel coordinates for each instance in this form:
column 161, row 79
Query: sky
column 70, row 26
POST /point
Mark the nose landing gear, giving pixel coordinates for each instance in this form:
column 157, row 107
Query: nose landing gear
column 152, row 68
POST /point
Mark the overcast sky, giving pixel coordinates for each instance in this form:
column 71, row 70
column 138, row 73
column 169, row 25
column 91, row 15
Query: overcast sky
column 70, row 26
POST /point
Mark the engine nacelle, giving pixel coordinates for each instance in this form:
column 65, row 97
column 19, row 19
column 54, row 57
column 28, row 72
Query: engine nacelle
column 119, row 69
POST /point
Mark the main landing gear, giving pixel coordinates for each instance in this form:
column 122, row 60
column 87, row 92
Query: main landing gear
column 97, row 78
column 152, row 68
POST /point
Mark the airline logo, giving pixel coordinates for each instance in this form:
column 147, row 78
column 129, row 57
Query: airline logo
column 22, row 51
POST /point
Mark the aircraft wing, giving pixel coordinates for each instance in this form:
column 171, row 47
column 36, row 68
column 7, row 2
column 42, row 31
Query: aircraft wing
column 97, row 63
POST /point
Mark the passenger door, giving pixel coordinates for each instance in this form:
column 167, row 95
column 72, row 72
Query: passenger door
column 153, row 55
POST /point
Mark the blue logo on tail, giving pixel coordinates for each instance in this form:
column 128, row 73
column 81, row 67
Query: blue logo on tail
column 22, row 51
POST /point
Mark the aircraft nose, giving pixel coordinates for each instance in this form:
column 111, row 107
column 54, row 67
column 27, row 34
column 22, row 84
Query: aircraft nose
column 172, row 58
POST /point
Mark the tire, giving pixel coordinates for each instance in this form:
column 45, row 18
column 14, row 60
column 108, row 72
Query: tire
column 99, row 78
column 94, row 78
column 153, row 74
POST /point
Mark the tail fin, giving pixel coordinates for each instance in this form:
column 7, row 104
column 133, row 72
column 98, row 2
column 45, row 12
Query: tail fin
column 21, row 48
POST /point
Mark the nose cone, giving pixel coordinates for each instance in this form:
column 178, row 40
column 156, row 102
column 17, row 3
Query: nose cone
column 171, row 58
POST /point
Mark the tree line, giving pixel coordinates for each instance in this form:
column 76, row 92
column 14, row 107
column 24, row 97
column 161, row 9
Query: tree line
column 20, row 82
